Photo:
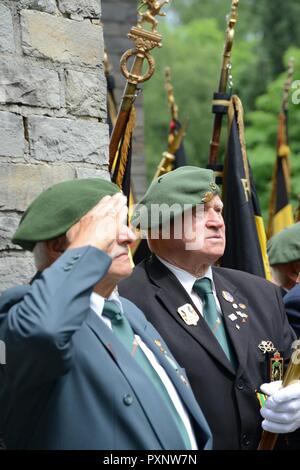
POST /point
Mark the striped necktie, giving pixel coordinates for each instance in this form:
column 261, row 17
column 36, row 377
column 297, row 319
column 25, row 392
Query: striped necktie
column 203, row 287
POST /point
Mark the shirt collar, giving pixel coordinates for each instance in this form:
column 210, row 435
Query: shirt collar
column 97, row 302
column 186, row 279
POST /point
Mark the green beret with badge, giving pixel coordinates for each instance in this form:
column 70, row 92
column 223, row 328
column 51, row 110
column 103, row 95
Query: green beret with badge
column 284, row 247
column 55, row 210
column 174, row 193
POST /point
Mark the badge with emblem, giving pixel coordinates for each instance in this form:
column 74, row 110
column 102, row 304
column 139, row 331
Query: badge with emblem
column 227, row 296
column 266, row 347
column 276, row 367
column 188, row 314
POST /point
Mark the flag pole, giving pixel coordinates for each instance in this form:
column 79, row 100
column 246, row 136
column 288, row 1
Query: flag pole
column 221, row 98
column 281, row 174
column 292, row 375
column 144, row 42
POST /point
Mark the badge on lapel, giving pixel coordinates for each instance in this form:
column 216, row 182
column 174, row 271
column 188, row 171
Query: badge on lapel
column 188, row 314
column 236, row 316
column 275, row 360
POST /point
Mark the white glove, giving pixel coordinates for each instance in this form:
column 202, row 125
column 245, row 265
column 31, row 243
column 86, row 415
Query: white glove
column 281, row 412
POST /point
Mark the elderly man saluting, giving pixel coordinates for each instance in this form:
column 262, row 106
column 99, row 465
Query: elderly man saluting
column 226, row 327
column 84, row 368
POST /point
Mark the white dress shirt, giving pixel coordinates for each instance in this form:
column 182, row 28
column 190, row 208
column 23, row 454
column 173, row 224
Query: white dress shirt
column 97, row 304
column 187, row 281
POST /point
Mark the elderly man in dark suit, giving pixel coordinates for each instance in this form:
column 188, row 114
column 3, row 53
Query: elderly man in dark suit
column 84, row 369
column 226, row 327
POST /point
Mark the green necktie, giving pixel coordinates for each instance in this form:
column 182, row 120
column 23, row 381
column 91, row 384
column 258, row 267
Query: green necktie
column 203, row 287
column 121, row 327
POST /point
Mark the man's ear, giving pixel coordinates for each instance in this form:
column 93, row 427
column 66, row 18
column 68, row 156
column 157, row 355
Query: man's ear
column 56, row 247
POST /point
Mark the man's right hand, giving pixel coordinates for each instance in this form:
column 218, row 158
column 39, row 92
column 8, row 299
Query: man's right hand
column 104, row 226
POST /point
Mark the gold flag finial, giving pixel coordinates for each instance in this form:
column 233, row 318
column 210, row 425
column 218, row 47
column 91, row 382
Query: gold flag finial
column 149, row 15
column 288, row 84
column 144, row 41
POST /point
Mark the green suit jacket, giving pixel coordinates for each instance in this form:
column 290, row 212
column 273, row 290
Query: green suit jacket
column 68, row 383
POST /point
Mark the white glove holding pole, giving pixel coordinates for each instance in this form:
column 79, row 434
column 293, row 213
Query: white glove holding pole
column 281, row 412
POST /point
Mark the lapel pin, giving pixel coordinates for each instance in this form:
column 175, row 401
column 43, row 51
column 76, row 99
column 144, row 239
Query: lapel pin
column 188, row 314
column 276, row 367
column 232, row 317
column 243, row 306
column 238, row 327
column 227, row 296
column 242, row 315
column 266, row 346
column 234, row 305
column 158, row 343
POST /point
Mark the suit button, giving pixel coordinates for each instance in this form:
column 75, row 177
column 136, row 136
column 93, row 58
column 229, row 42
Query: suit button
column 240, row 384
column 246, row 440
column 128, row 399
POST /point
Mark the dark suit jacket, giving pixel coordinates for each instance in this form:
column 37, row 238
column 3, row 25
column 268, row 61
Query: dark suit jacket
column 292, row 305
column 226, row 397
column 68, row 383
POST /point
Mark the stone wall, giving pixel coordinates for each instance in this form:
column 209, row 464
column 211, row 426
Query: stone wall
column 118, row 16
column 52, row 108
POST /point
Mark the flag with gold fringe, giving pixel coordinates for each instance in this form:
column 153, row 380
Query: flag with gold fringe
column 280, row 209
column 246, row 248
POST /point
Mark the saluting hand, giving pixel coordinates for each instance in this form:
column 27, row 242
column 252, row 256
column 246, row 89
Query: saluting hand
column 104, row 226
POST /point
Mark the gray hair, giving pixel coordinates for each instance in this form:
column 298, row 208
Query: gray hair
column 41, row 257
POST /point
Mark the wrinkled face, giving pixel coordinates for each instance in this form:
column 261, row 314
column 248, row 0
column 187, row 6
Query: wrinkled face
column 204, row 236
column 121, row 266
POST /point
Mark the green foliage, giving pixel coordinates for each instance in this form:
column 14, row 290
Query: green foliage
column 194, row 76
column 261, row 135
column 192, row 47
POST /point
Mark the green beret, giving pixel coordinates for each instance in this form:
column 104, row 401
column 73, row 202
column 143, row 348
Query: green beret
column 55, row 210
column 285, row 245
column 174, row 193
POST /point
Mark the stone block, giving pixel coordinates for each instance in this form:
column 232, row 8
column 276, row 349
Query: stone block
column 81, row 8
column 92, row 173
column 67, row 140
column 7, row 42
column 86, row 93
column 16, row 269
column 47, row 6
column 11, row 135
column 8, row 226
column 22, row 83
column 60, row 39
column 20, row 183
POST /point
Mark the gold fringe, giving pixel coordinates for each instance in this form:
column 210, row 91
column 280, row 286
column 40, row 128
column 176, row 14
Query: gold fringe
column 283, row 152
column 123, row 151
column 236, row 106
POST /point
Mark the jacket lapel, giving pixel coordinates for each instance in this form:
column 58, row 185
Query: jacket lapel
column 148, row 397
column 172, row 295
column 177, row 374
column 237, row 320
